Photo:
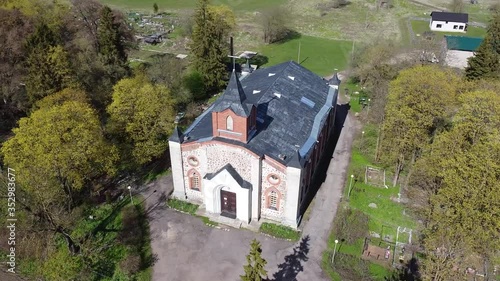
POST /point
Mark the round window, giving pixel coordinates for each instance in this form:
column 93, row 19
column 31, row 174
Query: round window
column 193, row 161
column 273, row 179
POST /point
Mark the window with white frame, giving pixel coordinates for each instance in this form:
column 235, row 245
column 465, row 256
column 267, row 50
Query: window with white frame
column 229, row 123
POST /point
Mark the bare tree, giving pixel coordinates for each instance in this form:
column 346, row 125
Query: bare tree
column 274, row 24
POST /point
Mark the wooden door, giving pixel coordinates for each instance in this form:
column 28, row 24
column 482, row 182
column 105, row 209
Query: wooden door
column 228, row 204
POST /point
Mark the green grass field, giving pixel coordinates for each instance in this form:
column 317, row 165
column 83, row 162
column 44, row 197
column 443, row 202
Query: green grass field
column 322, row 56
column 419, row 27
column 165, row 5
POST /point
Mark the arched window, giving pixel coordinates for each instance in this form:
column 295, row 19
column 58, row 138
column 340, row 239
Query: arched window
column 272, row 200
column 194, row 181
column 229, row 123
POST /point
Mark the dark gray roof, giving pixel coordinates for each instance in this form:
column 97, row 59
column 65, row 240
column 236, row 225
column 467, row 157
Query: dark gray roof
column 447, row 16
column 176, row 135
column 243, row 183
column 234, row 98
column 334, row 80
column 292, row 105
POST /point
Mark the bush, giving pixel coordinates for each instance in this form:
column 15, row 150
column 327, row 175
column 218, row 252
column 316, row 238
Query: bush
column 280, row 231
column 196, row 86
column 182, row 206
column 351, row 268
column 350, row 225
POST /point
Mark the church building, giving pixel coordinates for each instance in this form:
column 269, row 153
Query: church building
column 252, row 154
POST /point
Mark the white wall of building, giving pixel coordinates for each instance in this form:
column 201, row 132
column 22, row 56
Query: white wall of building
column 224, row 181
column 177, row 170
column 447, row 26
column 293, row 183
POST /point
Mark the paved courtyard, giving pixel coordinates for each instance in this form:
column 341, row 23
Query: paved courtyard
column 188, row 250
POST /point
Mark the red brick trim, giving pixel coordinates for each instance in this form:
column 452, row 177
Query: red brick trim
column 190, row 174
column 268, row 197
column 271, row 182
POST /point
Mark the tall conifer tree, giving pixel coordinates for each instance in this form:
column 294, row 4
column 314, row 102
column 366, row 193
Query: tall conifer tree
column 486, row 61
column 254, row 270
column 209, row 47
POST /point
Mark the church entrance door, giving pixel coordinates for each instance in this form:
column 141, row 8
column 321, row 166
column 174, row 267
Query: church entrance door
column 228, row 204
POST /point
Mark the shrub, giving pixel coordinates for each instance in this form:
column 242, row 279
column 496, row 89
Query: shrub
column 351, row 268
column 350, row 225
column 280, row 231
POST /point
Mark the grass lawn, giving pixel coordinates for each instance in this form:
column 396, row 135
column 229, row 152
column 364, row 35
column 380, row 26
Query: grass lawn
column 190, row 4
column 182, row 206
column 419, row 27
column 383, row 220
column 319, row 55
column 279, row 231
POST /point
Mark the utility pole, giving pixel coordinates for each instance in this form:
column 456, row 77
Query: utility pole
column 298, row 56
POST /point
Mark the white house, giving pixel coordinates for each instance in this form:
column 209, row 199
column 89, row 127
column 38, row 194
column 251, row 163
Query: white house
column 449, row 22
column 253, row 153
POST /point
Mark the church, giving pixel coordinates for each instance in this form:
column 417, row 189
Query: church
column 253, row 152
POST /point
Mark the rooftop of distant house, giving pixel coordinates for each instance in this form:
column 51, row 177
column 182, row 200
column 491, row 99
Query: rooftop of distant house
column 448, row 16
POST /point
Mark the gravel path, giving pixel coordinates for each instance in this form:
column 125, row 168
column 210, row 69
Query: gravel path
column 326, row 202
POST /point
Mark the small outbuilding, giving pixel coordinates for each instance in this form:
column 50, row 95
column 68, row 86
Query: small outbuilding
column 449, row 22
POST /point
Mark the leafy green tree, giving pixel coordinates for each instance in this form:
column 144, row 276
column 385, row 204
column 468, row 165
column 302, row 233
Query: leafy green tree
column 155, row 8
column 486, row 61
column 141, row 116
column 418, row 99
column 255, row 269
column 49, row 70
column 60, row 149
column 112, row 50
column 464, row 165
column 209, row 46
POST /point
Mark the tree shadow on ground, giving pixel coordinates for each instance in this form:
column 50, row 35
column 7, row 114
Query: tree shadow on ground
column 289, row 269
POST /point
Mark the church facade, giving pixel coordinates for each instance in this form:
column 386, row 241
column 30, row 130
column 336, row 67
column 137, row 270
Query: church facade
column 252, row 154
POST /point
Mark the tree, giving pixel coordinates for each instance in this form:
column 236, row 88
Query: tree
column 155, row 8
column 209, row 45
column 254, row 270
column 274, row 24
column 486, row 61
column 62, row 145
column 111, row 46
column 418, row 99
column 141, row 117
column 49, row 69
column 59, row 150
column 13, row 25
column 456, row 6
column 461, row 220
